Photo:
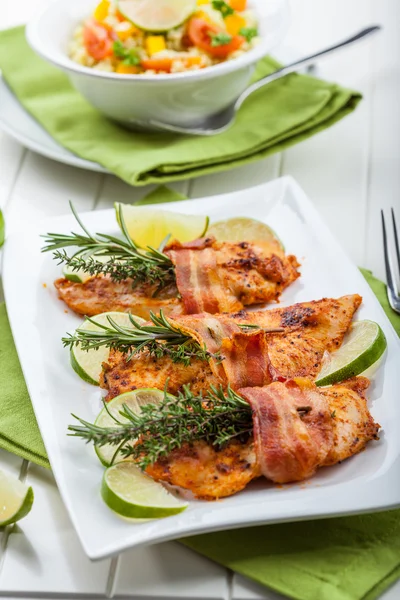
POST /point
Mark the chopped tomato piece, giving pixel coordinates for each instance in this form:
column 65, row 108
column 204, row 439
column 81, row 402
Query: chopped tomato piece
column 97, row 41
column 238, row 4
column 201, row 34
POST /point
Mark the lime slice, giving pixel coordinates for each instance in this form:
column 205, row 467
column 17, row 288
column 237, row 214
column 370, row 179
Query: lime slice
column 159, row 15
column 133, row 494
column 134, row 400
column 363, row 346
column 88, row 365
column 243, row 229
column 16, row 499
column 149, row 227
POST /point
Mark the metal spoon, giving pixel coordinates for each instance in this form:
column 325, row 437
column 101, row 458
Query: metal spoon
column 224, row 120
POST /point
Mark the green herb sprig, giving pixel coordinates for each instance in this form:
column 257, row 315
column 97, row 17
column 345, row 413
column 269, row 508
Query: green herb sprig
column 126, row 259
column 223, row 7
column 220, row 39
column 248, row 33
column 129, row 56
column 161, row 338
column 216, row 418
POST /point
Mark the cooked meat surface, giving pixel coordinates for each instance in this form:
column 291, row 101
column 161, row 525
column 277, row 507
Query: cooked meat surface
column 244, row 274
column 211, row 473
column 310, row 328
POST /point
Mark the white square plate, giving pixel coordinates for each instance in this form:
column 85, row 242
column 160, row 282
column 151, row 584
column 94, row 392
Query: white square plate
column 38, row 319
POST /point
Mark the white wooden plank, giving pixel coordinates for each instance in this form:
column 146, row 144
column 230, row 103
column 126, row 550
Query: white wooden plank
column 44, row 188
column 43, row 552
column 116, row 190
column 246, row 589
column 170, row 571
column 384, row 178
column 11, row 154
column 236, row 179
column 332, row 167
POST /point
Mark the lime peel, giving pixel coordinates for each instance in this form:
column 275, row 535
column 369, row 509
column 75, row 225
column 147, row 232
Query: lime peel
column 362, row 347
column 133, row 494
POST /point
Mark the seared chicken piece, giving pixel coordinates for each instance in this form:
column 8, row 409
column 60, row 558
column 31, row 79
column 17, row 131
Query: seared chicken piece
column 211, row 276
column 211, row 473
column 101, row 294
column 310, row 328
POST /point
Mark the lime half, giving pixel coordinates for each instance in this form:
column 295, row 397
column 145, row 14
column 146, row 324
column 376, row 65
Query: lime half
column 149, row 227
column 157, row 15
column 243, row 229
column 134, row 400
column 88, row 364
column 16, row 499
column 133, row 494
column 363, row 345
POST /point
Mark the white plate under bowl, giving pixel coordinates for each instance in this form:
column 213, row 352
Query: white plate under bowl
column 364, row 483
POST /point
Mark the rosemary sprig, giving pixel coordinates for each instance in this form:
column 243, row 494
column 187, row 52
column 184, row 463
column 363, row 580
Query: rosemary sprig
column 126, row 259
column 216, row 418
column 161, row 338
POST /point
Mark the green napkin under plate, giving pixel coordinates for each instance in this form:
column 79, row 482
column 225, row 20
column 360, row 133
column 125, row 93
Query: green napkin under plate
column 284, row 113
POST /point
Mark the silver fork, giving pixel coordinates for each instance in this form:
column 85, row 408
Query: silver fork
column 392, row 290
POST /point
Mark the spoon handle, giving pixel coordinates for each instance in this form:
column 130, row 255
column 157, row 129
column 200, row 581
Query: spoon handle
column 303, row 62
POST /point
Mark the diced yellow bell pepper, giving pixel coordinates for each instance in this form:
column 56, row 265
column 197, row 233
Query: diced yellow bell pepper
column 234, row 23
column 127, row 69
column 125, row 30
column 238, row 4
column 101, row 10
column 200, row 2
column 155, row 43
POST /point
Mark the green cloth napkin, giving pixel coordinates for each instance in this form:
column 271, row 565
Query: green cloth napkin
column 347, row 558
column 286, row 112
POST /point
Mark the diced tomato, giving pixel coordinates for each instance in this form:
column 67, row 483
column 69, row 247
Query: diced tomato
column 200, row 32
column 97, row 40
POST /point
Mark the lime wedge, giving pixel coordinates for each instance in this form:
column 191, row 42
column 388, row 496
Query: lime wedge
column 149, row 227
column 16, row 499
column 134, row 400
column 88, row 365
column 159, row 15
column 243, row 229
column 133, row 494
column 363, row 346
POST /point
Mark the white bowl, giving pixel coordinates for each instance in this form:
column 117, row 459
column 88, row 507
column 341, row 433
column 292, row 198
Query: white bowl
column 180, row 98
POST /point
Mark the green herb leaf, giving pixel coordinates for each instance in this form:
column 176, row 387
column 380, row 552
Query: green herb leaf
column 220, row 39
column 223, row 7
column 2, row 229
column 249, row 33
column 129, row 57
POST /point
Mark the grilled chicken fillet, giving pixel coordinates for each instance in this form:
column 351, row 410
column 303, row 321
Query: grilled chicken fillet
column 295, row 445
column 221, row 275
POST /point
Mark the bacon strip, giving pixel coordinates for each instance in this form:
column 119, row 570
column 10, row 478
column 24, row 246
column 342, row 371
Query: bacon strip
column 290, row 445
column 198, row 279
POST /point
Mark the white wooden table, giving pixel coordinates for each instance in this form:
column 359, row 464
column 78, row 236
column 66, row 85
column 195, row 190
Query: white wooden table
column 349, row 171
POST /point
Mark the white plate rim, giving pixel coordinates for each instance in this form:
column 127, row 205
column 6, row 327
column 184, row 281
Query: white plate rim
column 370, row 498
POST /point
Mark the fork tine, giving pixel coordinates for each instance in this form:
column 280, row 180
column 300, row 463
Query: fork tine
column 388, row 267
column 396, row 240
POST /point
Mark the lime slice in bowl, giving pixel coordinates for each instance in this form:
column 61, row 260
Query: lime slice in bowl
column 133, row 494
column 149, row 227
column 16, row 499
column 134, row 400
column 88, row 364
column 362, row 347
column 243, row 229
column 157, row 15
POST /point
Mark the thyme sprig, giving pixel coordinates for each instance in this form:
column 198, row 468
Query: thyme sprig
column 161, row 338
column 217, row 417
column 126, row 259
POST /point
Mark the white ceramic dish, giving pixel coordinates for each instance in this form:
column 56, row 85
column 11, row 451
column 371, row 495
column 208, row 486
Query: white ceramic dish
column 180, row 98
column 366, row 482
